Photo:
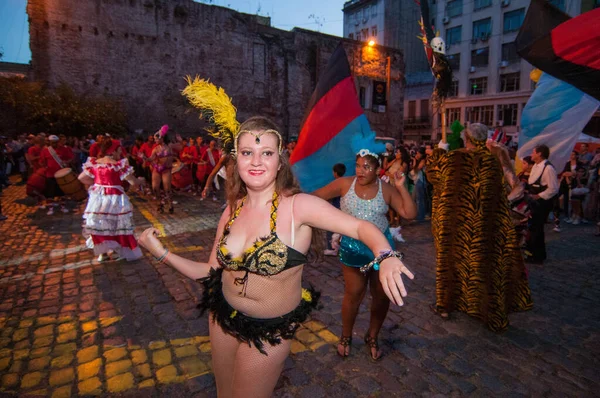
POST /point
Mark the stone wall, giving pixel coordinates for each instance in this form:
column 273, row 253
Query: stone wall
column 139, row 51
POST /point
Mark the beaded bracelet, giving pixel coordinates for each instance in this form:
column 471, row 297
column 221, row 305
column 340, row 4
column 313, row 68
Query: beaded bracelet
column 382, row 256
column 162, row 258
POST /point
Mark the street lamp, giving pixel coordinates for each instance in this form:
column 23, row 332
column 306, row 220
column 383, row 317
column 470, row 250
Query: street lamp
column 371, row 43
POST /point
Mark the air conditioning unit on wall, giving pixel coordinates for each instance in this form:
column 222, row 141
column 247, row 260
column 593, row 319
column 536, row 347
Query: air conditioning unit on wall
column 505, row 3
column 446, row 20
column 472, row 69
column 503, row 64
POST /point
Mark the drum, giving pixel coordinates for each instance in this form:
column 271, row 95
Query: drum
column 181, row 176
column 69, row 184
column 36, row 183
column 202, row 171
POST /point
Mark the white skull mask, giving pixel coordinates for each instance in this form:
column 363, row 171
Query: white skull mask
column 438, row 45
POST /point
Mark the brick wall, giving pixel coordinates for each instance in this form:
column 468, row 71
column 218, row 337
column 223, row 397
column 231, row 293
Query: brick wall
column 139, row 51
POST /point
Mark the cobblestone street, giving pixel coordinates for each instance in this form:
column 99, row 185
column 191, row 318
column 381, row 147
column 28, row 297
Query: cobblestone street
column 71, row 326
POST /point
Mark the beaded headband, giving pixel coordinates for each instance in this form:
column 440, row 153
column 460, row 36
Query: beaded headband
column 365, row 152
column 256, row 136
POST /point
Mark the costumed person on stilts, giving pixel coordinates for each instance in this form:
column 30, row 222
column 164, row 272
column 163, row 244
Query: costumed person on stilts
column 252, row 280
column 109, row 214
column 480, row 269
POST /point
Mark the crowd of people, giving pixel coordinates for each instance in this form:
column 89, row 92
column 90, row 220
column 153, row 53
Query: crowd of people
column 250, row 328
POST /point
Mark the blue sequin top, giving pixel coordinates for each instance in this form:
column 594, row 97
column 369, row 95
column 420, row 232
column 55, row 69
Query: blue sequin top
column 373, row 210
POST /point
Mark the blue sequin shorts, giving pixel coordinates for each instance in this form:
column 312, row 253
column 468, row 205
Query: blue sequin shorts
column 354, row 253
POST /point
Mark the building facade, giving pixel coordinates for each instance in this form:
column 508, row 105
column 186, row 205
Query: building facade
column 139, row 51
column 491, row 83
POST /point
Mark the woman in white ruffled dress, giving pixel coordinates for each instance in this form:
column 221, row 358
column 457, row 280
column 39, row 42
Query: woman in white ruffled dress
column 109, row 214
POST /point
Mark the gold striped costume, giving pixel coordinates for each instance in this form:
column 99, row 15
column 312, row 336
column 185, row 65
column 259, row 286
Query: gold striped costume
column 480, row 268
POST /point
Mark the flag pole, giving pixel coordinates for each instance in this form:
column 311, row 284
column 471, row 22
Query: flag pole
column 443, row 112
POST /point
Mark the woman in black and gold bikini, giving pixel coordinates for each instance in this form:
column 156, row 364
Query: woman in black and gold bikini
column 252, row 280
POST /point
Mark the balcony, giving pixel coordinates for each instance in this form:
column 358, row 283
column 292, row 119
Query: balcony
column 415, row 123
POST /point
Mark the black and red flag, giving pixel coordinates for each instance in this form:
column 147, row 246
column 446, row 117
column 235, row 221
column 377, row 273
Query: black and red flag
column 564, row 47
column 334, row 129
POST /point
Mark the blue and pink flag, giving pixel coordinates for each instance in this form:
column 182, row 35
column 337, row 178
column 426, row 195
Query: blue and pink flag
column 335, row 128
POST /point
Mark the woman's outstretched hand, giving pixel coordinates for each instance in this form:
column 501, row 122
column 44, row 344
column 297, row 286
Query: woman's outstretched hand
column 390, row 276
column 149, row 241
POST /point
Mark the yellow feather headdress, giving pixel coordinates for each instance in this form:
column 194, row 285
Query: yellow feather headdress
column 216, row 105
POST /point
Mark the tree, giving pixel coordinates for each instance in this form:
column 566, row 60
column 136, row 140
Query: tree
column 31, row 107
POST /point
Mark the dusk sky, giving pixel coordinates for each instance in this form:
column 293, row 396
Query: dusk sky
column 322, row 15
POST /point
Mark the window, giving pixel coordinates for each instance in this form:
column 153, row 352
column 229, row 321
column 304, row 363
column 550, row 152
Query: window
column 454, row 8
column 454, row 61
column 482, row 28
column 362, row 95
column 480, row 56
column 351, row 36
column 509, row 53
column 478, row 86
column 452, row 114
column 412, row 109
column 424, row 108
column 358, row 36
column 508, row 114
column 479, row 4
column 454, row 35
column 365, row 34
column 596, row 3
column 513, row 20
column 480, row 114
column 374, row 10
column 510, row 82
column 560, row 4
column 374, row 31
column 453, row 89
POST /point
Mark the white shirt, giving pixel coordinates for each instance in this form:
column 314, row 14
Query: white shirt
column 549, row 179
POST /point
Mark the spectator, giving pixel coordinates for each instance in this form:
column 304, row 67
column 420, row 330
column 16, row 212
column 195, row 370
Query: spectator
column 585, row 156
column 579, row 191
column 542, row 187
column 566, row 178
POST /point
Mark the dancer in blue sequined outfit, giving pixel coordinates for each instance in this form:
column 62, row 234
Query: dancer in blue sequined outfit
column 368, row 198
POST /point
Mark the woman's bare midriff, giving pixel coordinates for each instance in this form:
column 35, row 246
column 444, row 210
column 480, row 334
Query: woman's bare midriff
column 264, row 296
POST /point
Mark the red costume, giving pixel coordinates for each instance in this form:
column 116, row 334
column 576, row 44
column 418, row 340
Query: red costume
column 109, row 215
column 64, row 153
column 35, row 151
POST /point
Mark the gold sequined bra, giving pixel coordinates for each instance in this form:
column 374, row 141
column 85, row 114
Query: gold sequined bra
column 267, row 256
